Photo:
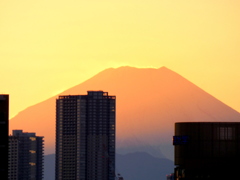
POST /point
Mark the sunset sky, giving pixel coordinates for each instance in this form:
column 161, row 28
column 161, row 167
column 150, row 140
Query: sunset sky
column 49, row 46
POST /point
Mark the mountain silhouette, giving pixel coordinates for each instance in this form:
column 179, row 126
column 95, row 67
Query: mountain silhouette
column 149, row 102
column 132, row 166
column 142, row 166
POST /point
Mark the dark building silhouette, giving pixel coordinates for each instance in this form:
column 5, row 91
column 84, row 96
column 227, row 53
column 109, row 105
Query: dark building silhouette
column 4, row 113
column 85, row 137
column 207, row 150
column 25, row 156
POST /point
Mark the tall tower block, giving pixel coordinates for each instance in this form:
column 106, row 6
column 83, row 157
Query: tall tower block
column 85, row 136
column 4, row 113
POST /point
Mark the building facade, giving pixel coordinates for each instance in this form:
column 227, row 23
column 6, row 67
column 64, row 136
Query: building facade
column 4, row 113
column 85, row 137
column 207, row 150
column 25, row 156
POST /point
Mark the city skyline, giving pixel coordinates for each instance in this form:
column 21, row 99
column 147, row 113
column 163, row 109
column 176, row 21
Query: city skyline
column 55, row 46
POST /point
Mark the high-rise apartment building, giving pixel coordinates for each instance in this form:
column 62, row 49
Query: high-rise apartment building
column 85, row 137
column 4, row 109
column 207, row 150
column 25, row 156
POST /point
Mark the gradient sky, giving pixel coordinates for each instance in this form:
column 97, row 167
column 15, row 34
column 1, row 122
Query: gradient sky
column 48, row 46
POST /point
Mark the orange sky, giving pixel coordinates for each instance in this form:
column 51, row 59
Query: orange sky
column 48, row 46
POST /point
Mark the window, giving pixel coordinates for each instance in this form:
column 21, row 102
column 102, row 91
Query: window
column 33, row 138
column 32, row 164
column 226, row 133
column 32, row 151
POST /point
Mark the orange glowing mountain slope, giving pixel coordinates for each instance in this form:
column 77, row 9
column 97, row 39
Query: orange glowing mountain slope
column 149, row 102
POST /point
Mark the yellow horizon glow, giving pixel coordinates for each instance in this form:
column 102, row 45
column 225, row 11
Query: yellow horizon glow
column 48, row 46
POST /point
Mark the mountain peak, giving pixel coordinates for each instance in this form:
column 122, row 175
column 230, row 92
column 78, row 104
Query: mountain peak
column 140, row 70
column 149, row 102
column 164, row 68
